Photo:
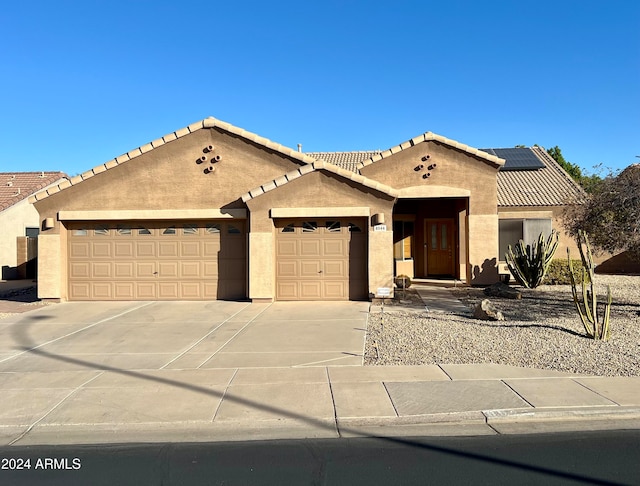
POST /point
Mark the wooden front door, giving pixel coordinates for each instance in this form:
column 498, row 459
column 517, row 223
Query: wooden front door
column 439, row 246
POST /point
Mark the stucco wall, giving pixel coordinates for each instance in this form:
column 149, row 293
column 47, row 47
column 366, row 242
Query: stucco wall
column 454, row 169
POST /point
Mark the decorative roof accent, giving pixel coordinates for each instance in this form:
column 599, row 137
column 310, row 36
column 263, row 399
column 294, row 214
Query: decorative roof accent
column 16, row 186
column 319, row 165
column 428, row 137
column 206, row 123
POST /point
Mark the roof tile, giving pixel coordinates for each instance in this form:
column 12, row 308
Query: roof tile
column 17, row 186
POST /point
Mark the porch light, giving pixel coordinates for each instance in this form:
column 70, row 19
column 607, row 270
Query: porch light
column 48, row 223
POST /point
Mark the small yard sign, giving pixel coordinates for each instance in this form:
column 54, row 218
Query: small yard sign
column 384, row 291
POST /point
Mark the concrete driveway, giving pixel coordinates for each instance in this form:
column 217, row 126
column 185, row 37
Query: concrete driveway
column 183, row 335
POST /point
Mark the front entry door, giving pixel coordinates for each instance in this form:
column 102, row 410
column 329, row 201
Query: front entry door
column 439, row 238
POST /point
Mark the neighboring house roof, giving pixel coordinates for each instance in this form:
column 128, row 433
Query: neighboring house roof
column 319, row 165
column 16, row 186
column 548, row 185
column 206, row 123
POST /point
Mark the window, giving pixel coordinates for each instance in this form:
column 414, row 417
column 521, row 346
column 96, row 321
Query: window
column 124, row 230
column 79, row 232
column 403, row 240
column 101, row 231
column 31, row 232
column 354, row 228
column 144, row 231
column 171, row 230
column 212, row 228
column 233, row 230
column 290, row 228
column 528, row 230
column 333, row 226
column 190, row 229
column 309, row 226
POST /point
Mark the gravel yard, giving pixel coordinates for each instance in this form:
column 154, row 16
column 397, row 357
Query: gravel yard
column 542, row 330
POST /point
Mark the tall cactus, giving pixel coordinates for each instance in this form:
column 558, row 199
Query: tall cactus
column 529, row 264
column 596, row 328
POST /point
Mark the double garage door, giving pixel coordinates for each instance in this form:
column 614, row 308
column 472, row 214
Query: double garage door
column 192, row 260
column 321, row 259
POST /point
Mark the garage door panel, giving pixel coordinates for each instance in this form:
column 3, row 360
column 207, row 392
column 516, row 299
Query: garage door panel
column 287, row 268
column 310, row 290
column 190, row 270
column 123, row 249
column 287, row 290
column 123, row 270
column 101, row 249
column 168, row 249
column 145, row 269
column 79, row 249
column 190, row 290
column 310, row 248
column 101, row 290
column 146, row 249
column 168, row 270
column 146, row 290
column 335, row 289
column 190, row 249
column 80, row 290
column 101, row 270
column 335, row 248
column 286, row 248
column 79, row 270
column 168, row 290
column 124, row 290
column 335, row 268
column 310, row 268
column 181, row 260
column 210, row 269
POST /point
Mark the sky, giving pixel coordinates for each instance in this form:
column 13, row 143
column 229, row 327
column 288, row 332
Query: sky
column 82, row 82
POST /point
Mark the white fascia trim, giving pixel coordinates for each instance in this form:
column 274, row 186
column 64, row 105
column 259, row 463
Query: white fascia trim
column 149, row 214
column 319, row 212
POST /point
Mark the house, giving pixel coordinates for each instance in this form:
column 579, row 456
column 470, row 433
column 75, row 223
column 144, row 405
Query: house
column 213, row 211
column 19, row 220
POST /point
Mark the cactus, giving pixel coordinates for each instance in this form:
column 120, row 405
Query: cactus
column 596, row 328
column 529, row 264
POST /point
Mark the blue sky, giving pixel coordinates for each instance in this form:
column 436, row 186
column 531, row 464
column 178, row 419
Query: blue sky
column 82, row 82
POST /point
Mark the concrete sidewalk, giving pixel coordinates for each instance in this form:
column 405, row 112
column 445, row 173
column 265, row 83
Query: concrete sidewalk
column 268, row 403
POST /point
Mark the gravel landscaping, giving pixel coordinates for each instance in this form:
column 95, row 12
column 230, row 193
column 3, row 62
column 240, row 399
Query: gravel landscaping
column 542, row 330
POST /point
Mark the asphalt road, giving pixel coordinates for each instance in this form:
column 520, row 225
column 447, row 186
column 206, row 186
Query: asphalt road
column 610, row 457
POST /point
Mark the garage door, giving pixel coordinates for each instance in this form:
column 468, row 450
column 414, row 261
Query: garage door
column 319, row 259
column 193, row 260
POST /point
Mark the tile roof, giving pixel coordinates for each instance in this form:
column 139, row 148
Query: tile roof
column 16, row 186
column 206, row 123
column 319, row 165
column 548, row 186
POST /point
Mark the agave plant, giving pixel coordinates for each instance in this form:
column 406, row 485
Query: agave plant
column 529, row 264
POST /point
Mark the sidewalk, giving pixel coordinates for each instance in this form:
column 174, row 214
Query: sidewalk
column 275, row 403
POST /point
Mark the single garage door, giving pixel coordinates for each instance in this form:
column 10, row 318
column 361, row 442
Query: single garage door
column 192, row 260
column 318, row 259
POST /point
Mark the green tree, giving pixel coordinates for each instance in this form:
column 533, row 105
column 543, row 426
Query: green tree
column 588, row 183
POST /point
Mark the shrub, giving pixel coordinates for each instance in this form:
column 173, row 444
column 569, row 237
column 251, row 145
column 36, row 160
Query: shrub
column 558, row 272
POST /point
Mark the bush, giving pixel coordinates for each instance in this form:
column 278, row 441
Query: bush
column 558, row 272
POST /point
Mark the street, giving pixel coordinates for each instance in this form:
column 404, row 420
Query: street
column 609, row 457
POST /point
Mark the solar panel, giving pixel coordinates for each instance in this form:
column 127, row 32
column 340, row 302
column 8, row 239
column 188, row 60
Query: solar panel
column 520, row 158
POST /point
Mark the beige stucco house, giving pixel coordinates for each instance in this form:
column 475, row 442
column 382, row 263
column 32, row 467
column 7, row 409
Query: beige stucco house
column 19, row 220
column 212, row 211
